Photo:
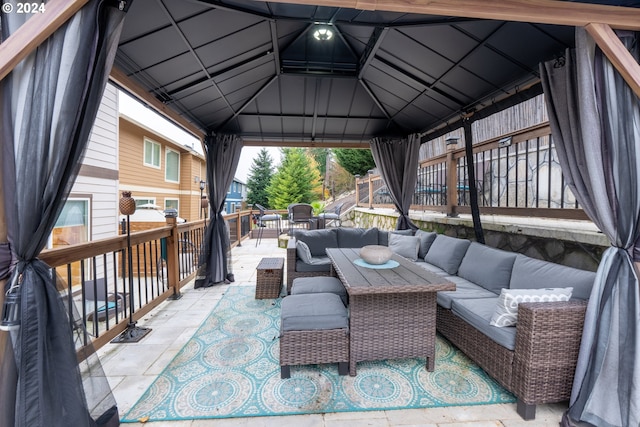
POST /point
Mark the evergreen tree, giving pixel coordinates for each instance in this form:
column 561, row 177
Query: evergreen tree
column 259, row 178
column 356, row 161
column 296, row 180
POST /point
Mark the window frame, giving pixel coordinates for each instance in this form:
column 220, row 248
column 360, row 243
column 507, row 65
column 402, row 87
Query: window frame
column 144, row 153
column 168, row 151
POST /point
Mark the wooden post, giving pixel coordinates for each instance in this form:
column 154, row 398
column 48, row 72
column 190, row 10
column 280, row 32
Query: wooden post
column 357, row 190
column 370, row 192
column 239, row 228
column 173, row 264
column 452, row 185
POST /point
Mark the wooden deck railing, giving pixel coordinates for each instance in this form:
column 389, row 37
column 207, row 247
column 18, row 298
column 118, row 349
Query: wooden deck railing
column 95, row 274
column 515, row 174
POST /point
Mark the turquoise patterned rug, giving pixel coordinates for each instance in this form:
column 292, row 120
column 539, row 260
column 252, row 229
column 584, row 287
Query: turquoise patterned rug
column 230, row 368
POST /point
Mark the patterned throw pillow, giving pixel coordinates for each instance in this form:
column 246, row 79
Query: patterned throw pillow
column 506, row 313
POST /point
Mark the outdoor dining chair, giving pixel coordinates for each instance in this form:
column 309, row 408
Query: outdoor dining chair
column 332, row 216
column 263, row 217
column 299, row 213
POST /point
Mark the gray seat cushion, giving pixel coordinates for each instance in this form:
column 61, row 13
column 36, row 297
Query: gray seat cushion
column 447, row 253
column 477, row 312
column 318, row 240
column 320, row 284
column 464, row 290
column 357, row 237
column 432, row 268
column 308, row 312
column 303, row 267
column 488, row 267
column 531, row 273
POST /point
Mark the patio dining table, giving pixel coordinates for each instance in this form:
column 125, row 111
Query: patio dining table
column 392, row 311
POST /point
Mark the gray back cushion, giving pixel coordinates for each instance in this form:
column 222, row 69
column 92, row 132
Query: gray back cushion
column 357, row 237
column 426, row 240
column 531, row 273
column 447, row 253
column 488, row 267
column 406, row 246
column 318, row 240
column 383, row 235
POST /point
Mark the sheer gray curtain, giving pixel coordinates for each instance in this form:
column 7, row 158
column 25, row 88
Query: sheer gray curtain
column 595, row 122
column 49, row 103
column 397, row 160
column 222, row 156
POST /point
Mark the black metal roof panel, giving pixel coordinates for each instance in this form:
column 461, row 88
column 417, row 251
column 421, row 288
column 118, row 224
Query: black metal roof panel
column 255, row 69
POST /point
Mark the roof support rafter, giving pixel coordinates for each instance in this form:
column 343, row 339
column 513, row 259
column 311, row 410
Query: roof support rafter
column 193, row 53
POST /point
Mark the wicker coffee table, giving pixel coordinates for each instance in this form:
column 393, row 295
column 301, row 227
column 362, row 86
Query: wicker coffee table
column 392, row 312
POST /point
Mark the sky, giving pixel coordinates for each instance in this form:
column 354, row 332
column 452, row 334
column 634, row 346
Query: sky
column 131, row 107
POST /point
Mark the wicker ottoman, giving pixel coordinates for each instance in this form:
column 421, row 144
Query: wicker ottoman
column 314, row 329
column 269, row 278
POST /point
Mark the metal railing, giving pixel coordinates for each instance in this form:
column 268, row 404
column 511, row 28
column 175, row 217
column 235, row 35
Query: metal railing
column 95, row 276
column 515, row 174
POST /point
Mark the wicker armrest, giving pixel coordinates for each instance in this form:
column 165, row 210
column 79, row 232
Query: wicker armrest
column 291, row 261
column 547, row 344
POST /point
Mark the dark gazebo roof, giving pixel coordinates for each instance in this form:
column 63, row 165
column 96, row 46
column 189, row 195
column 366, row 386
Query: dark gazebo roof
column 255, row 69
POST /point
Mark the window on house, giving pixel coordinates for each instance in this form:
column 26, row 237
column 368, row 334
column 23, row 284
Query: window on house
column 151, row 153
column 172, row 166
column 72, row 227
column 171, row 204
column 146, row 203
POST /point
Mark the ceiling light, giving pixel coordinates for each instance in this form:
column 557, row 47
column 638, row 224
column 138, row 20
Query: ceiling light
column 323, row 34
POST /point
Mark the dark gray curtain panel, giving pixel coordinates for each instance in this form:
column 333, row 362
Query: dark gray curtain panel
column 397, row 160
column 49, row 103
column 222, row 153
column 595, row 122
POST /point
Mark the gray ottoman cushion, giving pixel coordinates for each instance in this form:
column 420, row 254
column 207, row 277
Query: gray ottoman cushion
column 320, row 284
column 308, row 312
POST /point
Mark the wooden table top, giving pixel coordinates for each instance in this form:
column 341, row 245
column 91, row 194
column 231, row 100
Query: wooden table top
column 406, row 278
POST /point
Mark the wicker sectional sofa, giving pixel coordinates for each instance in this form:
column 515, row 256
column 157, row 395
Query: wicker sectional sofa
column 535, row 359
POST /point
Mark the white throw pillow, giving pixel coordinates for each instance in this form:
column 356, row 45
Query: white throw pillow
column 406, row 246
column 506, row 313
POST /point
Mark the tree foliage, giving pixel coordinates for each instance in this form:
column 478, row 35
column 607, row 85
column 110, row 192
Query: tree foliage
column 296, row 180
column 259, row 178
column 356, row 161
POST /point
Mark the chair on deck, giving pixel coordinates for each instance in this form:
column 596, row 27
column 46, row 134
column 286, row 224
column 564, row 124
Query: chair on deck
column 263, row 217
column 100, row 303
column 299, row 213
column 332, row 216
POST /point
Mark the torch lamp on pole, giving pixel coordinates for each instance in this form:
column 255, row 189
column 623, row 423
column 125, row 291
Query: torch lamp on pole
column 133, row 333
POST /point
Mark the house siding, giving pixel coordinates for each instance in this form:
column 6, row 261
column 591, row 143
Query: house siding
column 98, row 176
column 149, row 182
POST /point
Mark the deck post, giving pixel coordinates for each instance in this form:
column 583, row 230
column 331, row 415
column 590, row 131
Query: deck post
column 452, row 183
column 173, row 264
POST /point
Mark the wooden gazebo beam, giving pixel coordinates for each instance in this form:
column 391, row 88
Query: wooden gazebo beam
column 34, row 31
column 537, row 11
column 619, row 56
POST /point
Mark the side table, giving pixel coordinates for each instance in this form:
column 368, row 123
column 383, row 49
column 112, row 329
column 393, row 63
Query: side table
column 269, row 278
